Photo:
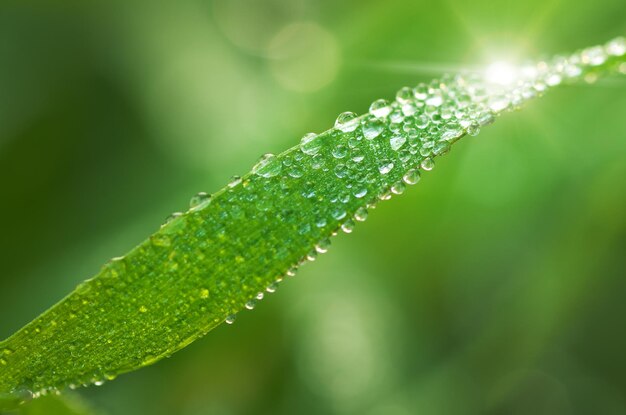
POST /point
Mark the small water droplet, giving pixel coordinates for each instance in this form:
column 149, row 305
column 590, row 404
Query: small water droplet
column 427, row 164
column 593, row 56
column 347, row 226
column 372, row 128
column 380, row 108
column 346, row 122
column 361, row 214
column 398, row 188
column 359, row 192
column 268, row 166
column 199, row 201
column 411, row 177
column 616, row 47
column 291, row 272
column 310, row 144
column 230, row 319
column 340, row 151
column 404, row 95
column 473, row 128
column 385, row 166
column 272, row 287
column 397, row 141
column 234, row 181
column 250, row 304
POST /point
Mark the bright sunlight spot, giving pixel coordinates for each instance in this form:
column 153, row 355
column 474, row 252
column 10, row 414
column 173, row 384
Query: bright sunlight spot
column 501, row 73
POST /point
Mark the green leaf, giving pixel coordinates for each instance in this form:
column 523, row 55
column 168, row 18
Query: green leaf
column 229, row 249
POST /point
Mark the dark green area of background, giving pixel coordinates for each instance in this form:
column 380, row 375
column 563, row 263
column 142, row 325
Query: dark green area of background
column 495, row 286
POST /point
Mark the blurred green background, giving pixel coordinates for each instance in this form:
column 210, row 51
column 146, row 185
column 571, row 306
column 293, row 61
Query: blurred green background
column 495, row 286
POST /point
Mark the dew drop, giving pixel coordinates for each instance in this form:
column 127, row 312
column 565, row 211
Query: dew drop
column 361, row 214
column 322, row 246
column 372, row 128
column 398, row 188
column 411, row 177
column 268, row 166
column 310, row 144
column 291, row 272
column 340, row 151
column 230, row 319
column 380, row 108
column 272, row 287
column 594, row 56
column 397, row 141
column 404, row 95
column 346, row 122
column 348, row 226
column 385, row 167
column 473, row 129
column 616, row 47
column 250, row 304
column 341, row 171
column 259, row 296
column 359, row 192
column 427, row 164
column 199, row 201
column 234, row 181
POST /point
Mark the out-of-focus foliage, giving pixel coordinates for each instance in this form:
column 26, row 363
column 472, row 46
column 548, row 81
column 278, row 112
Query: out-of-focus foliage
column 502, row 290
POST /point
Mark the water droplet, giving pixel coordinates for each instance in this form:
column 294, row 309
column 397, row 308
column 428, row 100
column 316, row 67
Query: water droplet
column 593, row 56
column 420, row 92
column 360, row 215
column 422, row 121
column 250, row 304
column 199, row 201
column 295, row 172
column 234, row 181
column 398, row 188
column 473, row 128
column 260, row 296
column 204, row 293
column 230, row 319
column 341, row 171
column 404, row 95
column 348, row 226
column 359, row 192
column 380, row 108
column 616, row 47
column 340, row 151
column 385, row 167
column 272, row 287
column 397, row 141
column 357, row 155
column 411, row 177
column 268, row 166
column 322, row 246
column 427, row 164
column 171, row 217
column 347, row 122
column 291, row 272
column 372, row 128
column 310, row 144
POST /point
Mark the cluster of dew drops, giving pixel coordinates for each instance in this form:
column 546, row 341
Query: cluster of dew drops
column 421, row 123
